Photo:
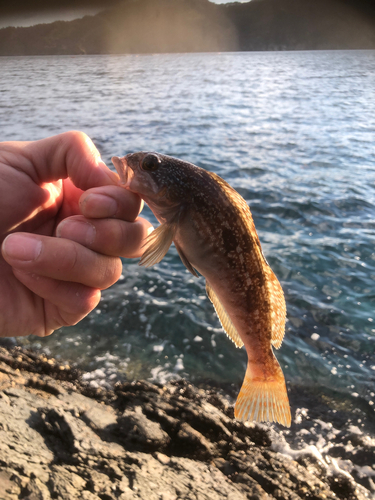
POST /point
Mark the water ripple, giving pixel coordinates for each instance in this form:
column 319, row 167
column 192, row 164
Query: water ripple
column 293, row 132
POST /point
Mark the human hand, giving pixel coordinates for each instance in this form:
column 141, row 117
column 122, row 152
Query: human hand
column 60, row 187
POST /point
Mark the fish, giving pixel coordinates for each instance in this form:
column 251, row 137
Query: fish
column 213, row 231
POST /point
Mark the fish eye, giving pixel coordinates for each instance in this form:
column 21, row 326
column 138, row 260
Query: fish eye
column 150, row 163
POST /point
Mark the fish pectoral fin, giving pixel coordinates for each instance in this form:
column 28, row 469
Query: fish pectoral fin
column 157, row 244
column 185, row 261
column 264, row 400
column 225, row 321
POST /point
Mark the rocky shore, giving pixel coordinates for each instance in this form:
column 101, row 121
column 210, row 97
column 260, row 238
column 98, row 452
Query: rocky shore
column 62, row 438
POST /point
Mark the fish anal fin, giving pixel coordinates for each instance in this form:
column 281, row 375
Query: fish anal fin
column 157, row 244
column 263, row 400
column 223, row 316
column 185, row 261
column 278, row 309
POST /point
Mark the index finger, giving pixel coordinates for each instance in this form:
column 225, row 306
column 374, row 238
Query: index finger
column 110, row 201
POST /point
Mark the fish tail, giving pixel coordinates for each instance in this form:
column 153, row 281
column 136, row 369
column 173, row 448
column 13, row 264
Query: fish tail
column 264, row 399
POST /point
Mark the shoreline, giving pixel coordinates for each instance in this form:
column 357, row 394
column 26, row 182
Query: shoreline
column 171, row 53
column 62, row 438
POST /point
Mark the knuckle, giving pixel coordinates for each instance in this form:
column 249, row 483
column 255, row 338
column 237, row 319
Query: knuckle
column 69, row 259
column 123, row 239
column 85, row 300
column 76, row 137
column 131, row 205
column 81, row 146
column 111, row 271
column 131, row 239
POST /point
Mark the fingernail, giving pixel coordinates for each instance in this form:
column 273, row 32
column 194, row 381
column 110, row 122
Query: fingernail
column 79, row 231
column 22, row 247
column 99, row 206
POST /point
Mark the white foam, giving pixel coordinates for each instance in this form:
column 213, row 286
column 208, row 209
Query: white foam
column 95, row 374
column 161, row 375
column 316, row 437
column 355, row 430
column 179, row 365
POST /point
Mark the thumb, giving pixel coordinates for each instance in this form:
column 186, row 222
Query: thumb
column 71, row 154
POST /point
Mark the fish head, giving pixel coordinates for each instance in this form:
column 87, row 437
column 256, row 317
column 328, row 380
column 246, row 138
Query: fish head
column 158, row 179
column 132, row 174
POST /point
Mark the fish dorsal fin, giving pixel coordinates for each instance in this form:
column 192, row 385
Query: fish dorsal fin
column 278, row 309
column 223, row 316
column 157, row 244
column 185, row 261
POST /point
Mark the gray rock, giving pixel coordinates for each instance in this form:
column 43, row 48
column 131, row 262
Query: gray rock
column 65, row 484
column 187, row 437
column 142, row 432
column 9, row 487
column 179, row 478
column 100, row 419
column 143, row 441
column 70, row 436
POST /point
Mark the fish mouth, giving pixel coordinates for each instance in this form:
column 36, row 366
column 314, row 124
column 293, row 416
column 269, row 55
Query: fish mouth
column 123, row 169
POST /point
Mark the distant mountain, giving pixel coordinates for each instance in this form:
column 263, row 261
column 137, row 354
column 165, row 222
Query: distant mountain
column 147, row 26
column 304, row 24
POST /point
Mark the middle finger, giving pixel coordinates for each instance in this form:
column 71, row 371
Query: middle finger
column 111, row 237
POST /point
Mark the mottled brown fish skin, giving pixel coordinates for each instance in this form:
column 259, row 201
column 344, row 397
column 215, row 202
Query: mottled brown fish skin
column 214, row 233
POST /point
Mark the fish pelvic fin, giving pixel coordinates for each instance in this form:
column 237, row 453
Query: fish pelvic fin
column 278, row 309
column 185, row 260
column 224, row 318
column 264, row 400
column 157, row 244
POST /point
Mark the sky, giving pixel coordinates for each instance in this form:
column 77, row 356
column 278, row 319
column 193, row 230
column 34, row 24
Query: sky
column 31, row 12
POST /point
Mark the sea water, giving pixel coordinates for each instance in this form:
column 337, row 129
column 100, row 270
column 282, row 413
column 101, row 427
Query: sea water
column 293, row 132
